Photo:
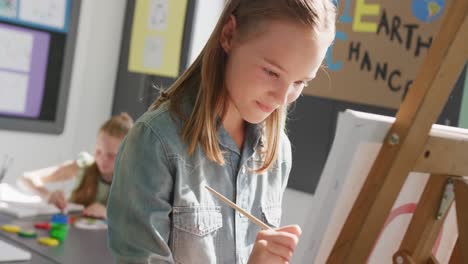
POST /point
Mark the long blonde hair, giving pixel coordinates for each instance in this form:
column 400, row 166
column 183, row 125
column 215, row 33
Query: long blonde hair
column 85, row 194
column 204, row 79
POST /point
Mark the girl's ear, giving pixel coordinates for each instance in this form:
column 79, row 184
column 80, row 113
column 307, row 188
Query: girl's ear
column 227, row 34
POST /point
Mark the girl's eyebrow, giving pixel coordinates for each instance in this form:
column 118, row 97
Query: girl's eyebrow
column 276, row 65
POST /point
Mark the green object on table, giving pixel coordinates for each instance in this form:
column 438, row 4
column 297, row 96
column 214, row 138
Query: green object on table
column 58, row 231
column 59, row 227
column 27, row 234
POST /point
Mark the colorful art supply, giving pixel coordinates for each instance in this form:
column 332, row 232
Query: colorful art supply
column 90, row 223
column 59, row 227
column 11, row 228
column 42, row 225
column 72, row 219
column 48, row 241
column 27, row 234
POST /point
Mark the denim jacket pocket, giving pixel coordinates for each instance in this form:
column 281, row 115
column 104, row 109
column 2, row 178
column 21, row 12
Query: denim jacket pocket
column 195, row 233
column 271, row 214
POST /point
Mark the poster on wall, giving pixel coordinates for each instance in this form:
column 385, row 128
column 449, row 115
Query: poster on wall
column 23, row 65
column 51, row 15
column 37, row 47
column 156, row 38
column 378, row 49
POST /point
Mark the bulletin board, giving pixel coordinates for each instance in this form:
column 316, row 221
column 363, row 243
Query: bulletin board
column 37, row 39
column 156, row 37
column 154, row 51
column 378, row 49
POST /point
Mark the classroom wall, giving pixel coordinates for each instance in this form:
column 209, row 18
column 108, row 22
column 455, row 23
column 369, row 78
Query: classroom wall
column 207, row 13
column 90, row 97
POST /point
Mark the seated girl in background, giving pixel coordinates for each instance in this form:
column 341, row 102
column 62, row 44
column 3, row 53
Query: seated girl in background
column 92, row 175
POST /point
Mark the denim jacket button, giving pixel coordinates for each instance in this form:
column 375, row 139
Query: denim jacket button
column 243, row 170
column 201, row 227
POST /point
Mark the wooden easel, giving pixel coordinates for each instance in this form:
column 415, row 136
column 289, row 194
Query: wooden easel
column 409, row 147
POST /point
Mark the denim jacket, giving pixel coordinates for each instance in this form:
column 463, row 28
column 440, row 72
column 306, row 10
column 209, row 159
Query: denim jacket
column 159, row 210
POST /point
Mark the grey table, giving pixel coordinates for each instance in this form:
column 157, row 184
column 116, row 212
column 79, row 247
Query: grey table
column 80, row 246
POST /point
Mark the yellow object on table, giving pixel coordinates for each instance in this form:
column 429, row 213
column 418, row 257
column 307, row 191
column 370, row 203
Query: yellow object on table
column 48, row 241
column 11, row 228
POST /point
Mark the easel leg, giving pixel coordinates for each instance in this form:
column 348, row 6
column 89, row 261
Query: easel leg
column 432, row 260
column 424, row 228
column 461, row 195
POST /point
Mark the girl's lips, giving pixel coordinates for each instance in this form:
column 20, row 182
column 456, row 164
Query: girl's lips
column 264, row 108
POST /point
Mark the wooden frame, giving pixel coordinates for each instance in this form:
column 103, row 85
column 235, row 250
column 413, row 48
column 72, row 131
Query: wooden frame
column 401, row 153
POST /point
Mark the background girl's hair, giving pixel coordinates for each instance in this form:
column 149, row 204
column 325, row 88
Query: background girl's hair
column 85, row 194
column 204, row 79
column 118, row 125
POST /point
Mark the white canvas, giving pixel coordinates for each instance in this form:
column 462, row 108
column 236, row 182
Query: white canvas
column 357, row 142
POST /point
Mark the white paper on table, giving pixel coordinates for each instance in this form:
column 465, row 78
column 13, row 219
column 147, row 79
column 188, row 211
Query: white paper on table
column 13, row 92
column 18, row 204
column 11, row 194
column 15, row 50
column 44, row 12
column 11, row 253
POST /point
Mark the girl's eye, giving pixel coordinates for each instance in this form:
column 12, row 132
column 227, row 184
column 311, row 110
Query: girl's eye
column 270, row 73
column 300, row 84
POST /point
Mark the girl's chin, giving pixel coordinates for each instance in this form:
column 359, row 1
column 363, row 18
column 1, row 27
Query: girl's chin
column 255, row 119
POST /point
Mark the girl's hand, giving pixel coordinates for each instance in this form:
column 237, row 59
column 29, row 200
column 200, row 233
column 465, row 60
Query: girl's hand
column 96, row 210
column 275, row 246
column 57, row 198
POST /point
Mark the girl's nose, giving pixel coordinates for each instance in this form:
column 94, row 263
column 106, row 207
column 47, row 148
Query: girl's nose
column 280, row 94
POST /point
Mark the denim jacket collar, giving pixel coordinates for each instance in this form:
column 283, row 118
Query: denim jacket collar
column 253, row 132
